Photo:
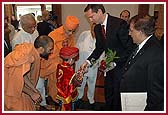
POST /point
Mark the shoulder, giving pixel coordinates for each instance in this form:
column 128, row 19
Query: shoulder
column 114, row 18
column 117, row 20
column 24, row 48
column 19, row 35
column 56, row 32
column 36, row 33
column 97, row 27
column 154, row 48
column 21, row 54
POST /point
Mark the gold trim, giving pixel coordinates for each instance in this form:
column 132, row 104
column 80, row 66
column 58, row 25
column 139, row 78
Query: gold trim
column 64, row 65
column 64, row 101
column 72, row 78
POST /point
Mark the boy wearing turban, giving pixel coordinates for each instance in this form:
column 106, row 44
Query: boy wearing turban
column 67, row 92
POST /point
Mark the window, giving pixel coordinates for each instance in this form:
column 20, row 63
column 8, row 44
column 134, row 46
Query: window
column 30, row 8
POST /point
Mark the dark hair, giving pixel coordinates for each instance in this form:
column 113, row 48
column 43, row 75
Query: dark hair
column 33, row 14
column 144, row 23
column 42, row 41
column 95, row 7
column 52, row 16
column 126, row 11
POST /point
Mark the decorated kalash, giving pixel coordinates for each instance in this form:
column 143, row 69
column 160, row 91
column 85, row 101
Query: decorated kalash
column 67, row 79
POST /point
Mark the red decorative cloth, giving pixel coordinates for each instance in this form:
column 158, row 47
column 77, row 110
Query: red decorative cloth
column 67, row 92
column 69, row 52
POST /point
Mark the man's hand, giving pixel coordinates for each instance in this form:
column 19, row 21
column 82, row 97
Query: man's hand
column 112, row 66
column 78, row 78
column 84, row 67
column 36, row 97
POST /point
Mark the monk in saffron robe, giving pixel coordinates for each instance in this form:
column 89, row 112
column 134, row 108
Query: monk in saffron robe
column 63, row 37
column 21, row 72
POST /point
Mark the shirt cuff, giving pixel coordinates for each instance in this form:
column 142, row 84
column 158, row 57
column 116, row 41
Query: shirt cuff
column 89, row 64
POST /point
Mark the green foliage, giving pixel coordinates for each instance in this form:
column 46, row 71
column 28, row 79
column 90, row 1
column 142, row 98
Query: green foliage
column 110, row 56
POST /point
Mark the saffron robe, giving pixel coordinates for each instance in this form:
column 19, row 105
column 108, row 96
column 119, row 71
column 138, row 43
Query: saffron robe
column 24, row 59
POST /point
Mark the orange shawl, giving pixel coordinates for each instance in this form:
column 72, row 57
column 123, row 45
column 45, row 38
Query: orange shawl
column 23, row 60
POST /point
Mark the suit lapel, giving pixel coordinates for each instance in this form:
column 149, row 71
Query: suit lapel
column 142, row 50
column 139, row 54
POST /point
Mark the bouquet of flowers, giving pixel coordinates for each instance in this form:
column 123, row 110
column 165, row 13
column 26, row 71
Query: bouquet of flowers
column 108, row 62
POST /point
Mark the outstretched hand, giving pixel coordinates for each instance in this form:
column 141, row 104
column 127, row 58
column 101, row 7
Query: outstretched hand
column 78, row 77
column 36, row 97
column 84, row 67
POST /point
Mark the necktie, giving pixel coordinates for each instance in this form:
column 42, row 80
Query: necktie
column 103, row 32
column 131, row 58
column 134, row 52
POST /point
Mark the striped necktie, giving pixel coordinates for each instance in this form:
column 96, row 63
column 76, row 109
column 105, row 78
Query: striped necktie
column 103, row 32
column 131, row 58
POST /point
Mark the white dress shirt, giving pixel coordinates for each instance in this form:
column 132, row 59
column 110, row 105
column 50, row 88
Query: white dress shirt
column 23, row 36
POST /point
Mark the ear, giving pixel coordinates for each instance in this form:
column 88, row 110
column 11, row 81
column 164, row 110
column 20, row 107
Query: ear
column 141, row 32
column 41, row 49
column 99, row 11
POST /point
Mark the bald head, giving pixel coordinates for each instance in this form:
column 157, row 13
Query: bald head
column 25, row 19
column 28, row 23
column 42, row 41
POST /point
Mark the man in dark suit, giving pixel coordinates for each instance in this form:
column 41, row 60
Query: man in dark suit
column 116, row 38
column 43, row 27
column 145, row 72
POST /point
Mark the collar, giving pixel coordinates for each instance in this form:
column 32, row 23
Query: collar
column 25, row 32
column 65, row 64
column 105, row 22
column 142, row 44
column 61, row 30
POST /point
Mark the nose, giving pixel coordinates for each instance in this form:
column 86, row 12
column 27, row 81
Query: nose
column 32, row 30
column 91, row 20
column 71, row 32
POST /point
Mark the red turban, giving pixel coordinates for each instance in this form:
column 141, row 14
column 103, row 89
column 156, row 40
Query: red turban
column 69, row 52
column 72, row 22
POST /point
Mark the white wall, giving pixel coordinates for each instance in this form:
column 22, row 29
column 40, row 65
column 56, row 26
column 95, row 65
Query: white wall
column 77, row 10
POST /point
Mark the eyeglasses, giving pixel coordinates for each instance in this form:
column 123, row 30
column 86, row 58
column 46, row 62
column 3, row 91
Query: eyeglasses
column 69, row 31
